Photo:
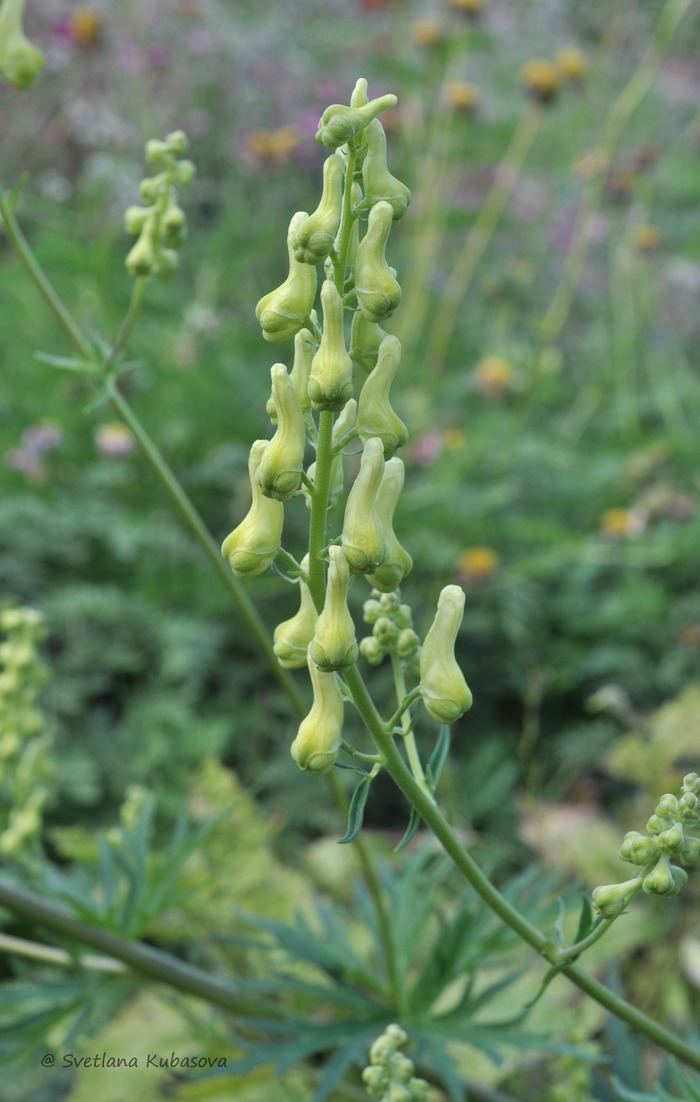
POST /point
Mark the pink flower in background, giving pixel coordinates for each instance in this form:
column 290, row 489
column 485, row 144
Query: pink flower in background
column 426, row 449
column 37, row 440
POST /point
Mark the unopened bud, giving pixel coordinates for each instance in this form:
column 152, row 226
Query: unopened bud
column 363, row 532
column 20, row 61
column 279, row 473
column 372, row 650
column 671, row 840
column 365, row 340
column 689, row 851
column 379, row 184
column 445, row 693
column 330, row 382
column 611, row 900
column 317, row 743
column 638, row 849
column 664, row 879
column 397, row 562
column 375, row 416
column 284, row 311
column 314, row 239
column 339, row 124
column 292, row 637
column 407, row 643
column 255, row 543
column 378, row 293
column 334, row 646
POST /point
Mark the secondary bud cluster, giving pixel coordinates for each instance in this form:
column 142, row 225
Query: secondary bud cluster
column 389, row 1076
column 392, row 629
column 25, row 767
column 160, row 224
column 666, row 839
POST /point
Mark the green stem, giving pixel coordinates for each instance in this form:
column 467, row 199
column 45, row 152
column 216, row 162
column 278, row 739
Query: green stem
column 477, row 239
column 407, row 726
column 142, row 959
column 192, row 520
column 127, row 324
column 615, row 122
column 319, row 509
column 50, row 955
column 435, row 820
column 41, row 282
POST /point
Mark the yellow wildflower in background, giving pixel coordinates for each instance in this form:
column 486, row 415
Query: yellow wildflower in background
column 493, row 376
column 85, row 27
column 426, row 33
column 477, row 564
column 454, row 440
column 541, row 79
column 622, row 523
column 646, row 238
column 273, row 146
column 571, row 65
column 468, row 7
column 461, row 95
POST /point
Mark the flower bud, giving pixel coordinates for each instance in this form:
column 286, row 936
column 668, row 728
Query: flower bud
column 445, row 693
column 301, row 368
column 407, row 643
column 689, row 851
column 655, row 824
column 365, row 340
column 173, row 225
column 177, row 143
column 156, row 151
column 314, row 239
column 135, row 219
column 375, row 417
column 334, row 646
column 339, row 124
column 610, row 900
column 664, row 879
column 20, row 61
column 253, row 545
column 363, row 531
column 671, row 840
column 637, row 848
column 397, row 562
column 316, row 746
column 184, row 173
column 284, row 311
column 372, row 650
column 691, row 783
column 371, row 611
column 385, row 632
column 279, row 473
column 141, row 260
column 292, row 637
column 688, row 806
column 667, row 807
column 378, row 293
column 379, row 184
column 330, row 382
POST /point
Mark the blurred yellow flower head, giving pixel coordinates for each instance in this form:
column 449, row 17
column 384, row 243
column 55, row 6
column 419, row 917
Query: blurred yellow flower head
column 621, row 524
column 461, row 95
column 646, row 238
column 114, row 440
column 468, row 7
column 273, row 146
column 571, row 65
column 541, row 79
column 426, row 33
column 477, row 564
column 493, row 377
column 454, row 440
column 85, row 27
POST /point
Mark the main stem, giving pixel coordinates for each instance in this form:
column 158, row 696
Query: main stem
column 142, row 959
column 435, row 820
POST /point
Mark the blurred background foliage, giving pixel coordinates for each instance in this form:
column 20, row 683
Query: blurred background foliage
column 552, row 468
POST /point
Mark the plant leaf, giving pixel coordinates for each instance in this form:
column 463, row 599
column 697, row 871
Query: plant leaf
column 356, row 811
